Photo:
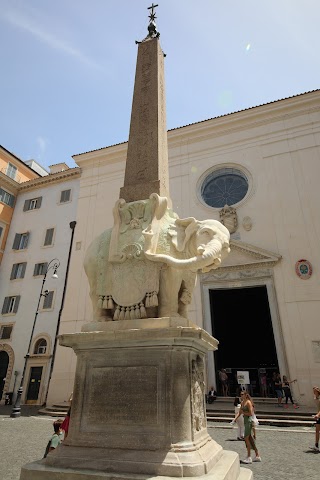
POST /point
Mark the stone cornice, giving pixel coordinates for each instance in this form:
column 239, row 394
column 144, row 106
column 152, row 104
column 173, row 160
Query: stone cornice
column 9, row 183
column 257, row 258
column 108, row 155
column 50, row 179
column 259, row 115
column 219, row 127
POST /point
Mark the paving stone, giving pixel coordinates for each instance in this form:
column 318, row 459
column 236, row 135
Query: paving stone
column 284, row 452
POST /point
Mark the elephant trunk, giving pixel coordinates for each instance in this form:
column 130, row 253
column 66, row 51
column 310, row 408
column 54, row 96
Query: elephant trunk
column 209, row 255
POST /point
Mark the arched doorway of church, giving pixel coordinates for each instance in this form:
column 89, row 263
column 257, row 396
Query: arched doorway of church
column 242, row 323
column 4, row 362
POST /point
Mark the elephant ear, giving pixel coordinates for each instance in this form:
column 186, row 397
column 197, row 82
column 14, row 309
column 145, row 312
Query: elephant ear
column 184, row 229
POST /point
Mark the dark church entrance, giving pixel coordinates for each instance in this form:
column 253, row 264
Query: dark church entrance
column 241, row 321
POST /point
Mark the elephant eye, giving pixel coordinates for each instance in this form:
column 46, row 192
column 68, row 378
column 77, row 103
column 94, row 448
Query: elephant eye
column 205, row 233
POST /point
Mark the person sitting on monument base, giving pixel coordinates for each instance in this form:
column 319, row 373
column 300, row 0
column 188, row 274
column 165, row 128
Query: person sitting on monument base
column 212, row 395
column 55, row 440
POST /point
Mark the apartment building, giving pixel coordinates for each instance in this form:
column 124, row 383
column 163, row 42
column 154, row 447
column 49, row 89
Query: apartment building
column 33, row 279
column 13, row 172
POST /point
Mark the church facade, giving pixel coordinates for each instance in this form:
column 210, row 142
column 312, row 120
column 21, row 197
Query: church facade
column 256, row 171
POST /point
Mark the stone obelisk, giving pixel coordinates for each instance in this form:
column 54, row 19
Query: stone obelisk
column 138, row 408
column 147, row 158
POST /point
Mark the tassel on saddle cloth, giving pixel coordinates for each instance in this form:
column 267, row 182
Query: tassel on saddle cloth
column 128, row 313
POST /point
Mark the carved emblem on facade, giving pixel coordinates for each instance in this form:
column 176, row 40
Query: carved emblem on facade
column 198, row 394
column 303, row 269
column 247, row 223
column 229, row 218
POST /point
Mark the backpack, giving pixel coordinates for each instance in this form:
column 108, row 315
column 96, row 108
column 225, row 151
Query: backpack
column 47, row 448
column 49, row 445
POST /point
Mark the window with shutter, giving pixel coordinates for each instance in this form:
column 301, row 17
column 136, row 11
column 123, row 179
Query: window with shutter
column 1, row 233
column 49, row 237
column 11, row 171
column 18, row 270
column 6, row 197
column 40, row 347
column 5, row 305
column 20, row 241
column 40, row 269
column 11, row 304
column 16, row 304
column 23, row 241
column 48, row 301
column 32, row 204
column 16, row 241
column 5, row 332
column 65, row 196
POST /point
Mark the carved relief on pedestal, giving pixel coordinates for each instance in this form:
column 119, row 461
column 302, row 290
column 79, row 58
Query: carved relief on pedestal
column 229, row 218
column 198, row 394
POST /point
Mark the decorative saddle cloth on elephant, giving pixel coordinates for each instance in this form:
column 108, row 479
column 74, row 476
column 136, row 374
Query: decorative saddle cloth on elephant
column 129, row 285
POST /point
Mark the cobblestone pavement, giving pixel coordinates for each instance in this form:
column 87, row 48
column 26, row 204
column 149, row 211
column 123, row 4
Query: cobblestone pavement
column 284, row 451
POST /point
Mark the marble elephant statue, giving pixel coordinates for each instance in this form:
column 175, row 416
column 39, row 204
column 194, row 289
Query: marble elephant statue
column 155, row 272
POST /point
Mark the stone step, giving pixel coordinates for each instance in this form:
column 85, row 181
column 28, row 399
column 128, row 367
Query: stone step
column 55, row 410
column 52, row 413
column 266, row 415
column 265, row 400
column 276, row 422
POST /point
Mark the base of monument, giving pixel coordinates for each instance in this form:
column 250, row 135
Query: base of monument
column 187, row 461
column 227, row 468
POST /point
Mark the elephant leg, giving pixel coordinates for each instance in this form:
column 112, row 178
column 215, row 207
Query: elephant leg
column 185, row 294
column 170, row 282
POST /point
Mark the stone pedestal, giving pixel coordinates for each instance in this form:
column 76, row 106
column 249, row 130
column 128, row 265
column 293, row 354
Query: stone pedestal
column 138, row 406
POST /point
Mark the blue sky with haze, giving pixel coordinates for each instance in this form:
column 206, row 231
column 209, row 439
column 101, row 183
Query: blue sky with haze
column 67, row 66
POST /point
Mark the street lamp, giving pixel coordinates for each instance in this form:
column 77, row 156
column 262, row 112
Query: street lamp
column 54, row 264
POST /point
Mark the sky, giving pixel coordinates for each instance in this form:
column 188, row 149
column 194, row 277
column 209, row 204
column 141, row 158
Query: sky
column 67, row 66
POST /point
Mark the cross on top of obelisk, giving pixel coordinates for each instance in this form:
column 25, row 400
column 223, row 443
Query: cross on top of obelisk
column 152, row 15
column 152, row 27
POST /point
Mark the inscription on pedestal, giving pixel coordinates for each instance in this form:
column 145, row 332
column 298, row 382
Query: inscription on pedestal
column 123, row 396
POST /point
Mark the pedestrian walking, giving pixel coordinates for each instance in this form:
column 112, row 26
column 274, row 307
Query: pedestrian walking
column 240, row 420
column 224, row 379
column 287, row 391
column 316, row 396
column 263, row 384
column 246, row 410
column 316, row 393
column 278, row 388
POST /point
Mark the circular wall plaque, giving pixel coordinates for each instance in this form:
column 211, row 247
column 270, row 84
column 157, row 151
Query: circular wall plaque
column 303, row 269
